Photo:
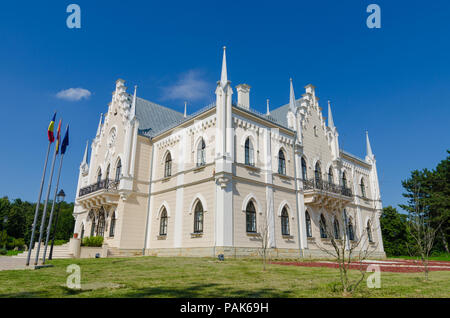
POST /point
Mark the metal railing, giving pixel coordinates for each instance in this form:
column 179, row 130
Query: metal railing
column 105, row 184
column 315, row 184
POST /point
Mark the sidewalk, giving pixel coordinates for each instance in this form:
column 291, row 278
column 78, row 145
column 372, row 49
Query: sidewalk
column 10, row 263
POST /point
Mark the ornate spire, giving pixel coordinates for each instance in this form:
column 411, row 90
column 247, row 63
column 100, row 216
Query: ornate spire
column 99, row 129
column 224, row 75
column 292, row 99
column 84, row 162
column 330, row 116
column 369, row 148
column 268, row 108
column 133, row 105
column 185, row 109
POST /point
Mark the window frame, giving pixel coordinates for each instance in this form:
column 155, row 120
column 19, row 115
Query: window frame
column 250, row 218
column 198, row 218
column 285, row 228
column 281, row 162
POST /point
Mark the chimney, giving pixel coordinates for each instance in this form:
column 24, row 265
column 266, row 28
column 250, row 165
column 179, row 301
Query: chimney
column 243, row 95
column 310, row 89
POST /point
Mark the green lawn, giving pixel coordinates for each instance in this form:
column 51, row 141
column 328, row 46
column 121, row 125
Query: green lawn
column 203, row 277
column 441, row 257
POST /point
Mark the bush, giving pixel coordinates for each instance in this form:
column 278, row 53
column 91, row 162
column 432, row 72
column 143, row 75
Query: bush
column 94, row 241
column 60, row 242
column 3, row 251
column 19, row 243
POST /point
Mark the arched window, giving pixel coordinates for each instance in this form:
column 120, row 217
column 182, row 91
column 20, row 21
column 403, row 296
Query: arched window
column 344, row 179
column 363, row 188
column 118, row 170
column 163, row 223
column 304, row 169
column 281, row 162
column 330, row 175
column 112, row 227
column 107, row 172
column 351, row 234
column 198, row 218
column 92, row 218
column 101, row 223
column 99, row 175
column 82, row 232
column 369, row 231
column 308, row 225
column 201, row 153
column 323, row 227
column 337, row 233
column 284, row 222
column 168, row 165
column 249, row 155
column 250, row 217
column 318, row 173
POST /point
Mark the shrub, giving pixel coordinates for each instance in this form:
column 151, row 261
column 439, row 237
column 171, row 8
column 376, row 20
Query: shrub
column 19, row 243
column 94, row 241
column 3, row 251
column 60, row 242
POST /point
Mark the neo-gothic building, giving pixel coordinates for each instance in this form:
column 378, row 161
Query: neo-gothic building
column 166, row 183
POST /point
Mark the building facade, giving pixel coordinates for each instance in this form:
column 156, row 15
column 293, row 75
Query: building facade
column 224, row 180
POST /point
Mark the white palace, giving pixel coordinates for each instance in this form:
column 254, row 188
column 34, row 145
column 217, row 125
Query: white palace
column 160, row 182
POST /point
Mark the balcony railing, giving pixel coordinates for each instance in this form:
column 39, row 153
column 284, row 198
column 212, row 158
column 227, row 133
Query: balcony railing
column 105, row 184
column 314, row 184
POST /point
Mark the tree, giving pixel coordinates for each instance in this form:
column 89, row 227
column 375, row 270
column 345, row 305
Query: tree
column 346, row 247
column 263, row 233
column 393, row 229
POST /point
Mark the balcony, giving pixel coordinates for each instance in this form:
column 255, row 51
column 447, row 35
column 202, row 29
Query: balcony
column 326, row 194
column 102, row 193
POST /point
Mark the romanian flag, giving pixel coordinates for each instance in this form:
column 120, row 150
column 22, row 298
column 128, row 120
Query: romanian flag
column 58, row 136
column 51, row 137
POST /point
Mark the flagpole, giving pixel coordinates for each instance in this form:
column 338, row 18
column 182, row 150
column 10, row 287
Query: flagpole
column 36, row 212
column 44, row 213
column 53, row 208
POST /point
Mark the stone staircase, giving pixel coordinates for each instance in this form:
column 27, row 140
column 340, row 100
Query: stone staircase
column 59, row 252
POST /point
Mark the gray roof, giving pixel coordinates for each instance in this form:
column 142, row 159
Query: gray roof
column 280, row 114
column 154, row 118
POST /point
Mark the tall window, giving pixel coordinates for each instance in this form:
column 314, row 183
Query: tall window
column 92, row 217
column 304, row 169
column 284, row 222
column 351, row 234
column 318, row 173
column 198, row 218
column 308, row 225
column 201, row 153
column 112, row 227
column 323, row 227
column 168, row 165
column 330, row 175
column 82, row 232
column 363, row 188
column 107, row 172
column 337, row 234
column 163, row 223
column 344, row 180
column 99, row 175
column 250, row 217
column 101, row 223
column 281, row 162
column 369, row 232
column 118, row 170
column 249, row 158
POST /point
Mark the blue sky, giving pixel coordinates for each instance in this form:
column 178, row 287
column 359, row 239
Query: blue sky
column 392, row 81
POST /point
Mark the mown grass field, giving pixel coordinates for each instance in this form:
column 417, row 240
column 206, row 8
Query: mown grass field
column 202, row 277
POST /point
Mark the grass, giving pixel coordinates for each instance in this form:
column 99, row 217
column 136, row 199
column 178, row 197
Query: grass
column 438, row 257
column 204, row 277
column 13, row 253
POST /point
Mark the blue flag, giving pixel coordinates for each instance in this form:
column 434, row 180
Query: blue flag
column 65, row 141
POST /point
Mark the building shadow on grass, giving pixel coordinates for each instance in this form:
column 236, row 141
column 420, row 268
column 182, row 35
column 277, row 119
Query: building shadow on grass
column 205, row 291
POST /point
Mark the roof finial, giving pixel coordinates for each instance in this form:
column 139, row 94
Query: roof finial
column 224, row 75
column 268, row 108
column 292, row 98
column 368, row 147
column 185, row 109
column 99, row 129
column 330, row 116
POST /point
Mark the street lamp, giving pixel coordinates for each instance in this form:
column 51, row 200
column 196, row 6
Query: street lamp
column 59, row 198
